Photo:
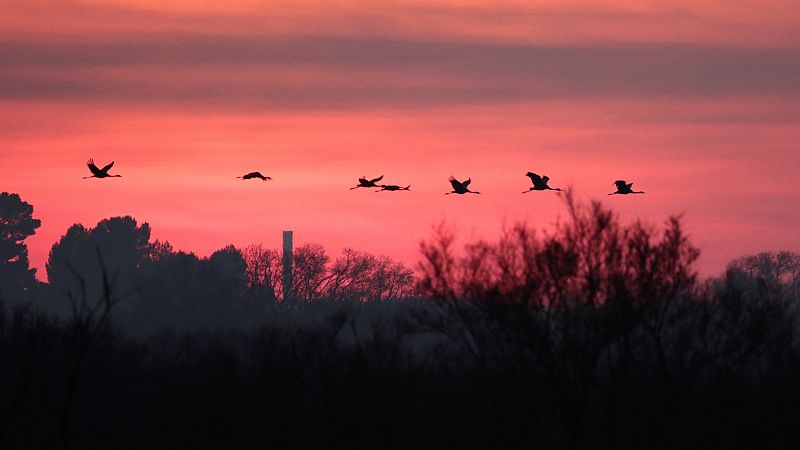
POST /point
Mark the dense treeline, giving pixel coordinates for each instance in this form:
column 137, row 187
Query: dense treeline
column 158, row 287
column 596, row 335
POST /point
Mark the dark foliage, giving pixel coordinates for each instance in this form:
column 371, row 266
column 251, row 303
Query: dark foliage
column 598, row 335
column 177, row 290
column 17, row 279
column 119, row 245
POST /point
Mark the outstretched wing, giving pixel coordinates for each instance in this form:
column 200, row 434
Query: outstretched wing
column 621, row 184
column 375, row 180
column 105, row 169
column 362, row 179
column 250, row 175
column 466, row 183
column 535, row 178
column 456, row 184
column 94, row 168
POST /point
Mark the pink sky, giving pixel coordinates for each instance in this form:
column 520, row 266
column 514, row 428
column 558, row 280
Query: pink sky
column 696, row 102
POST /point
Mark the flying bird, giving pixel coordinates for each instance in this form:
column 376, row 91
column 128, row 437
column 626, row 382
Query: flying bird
column 252, row 175
column 99, row 173
column 459, row 187
column 365, row 183
column 624, row 188
column 393, row 187
column 539, row 183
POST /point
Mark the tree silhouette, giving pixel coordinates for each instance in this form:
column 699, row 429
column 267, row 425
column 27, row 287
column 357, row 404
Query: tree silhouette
column 122, row 244
column 309, row 271
column 592, row 258
column 16, row 224
column 264, row 269
column 170, row 295
column 353, row 276
column 767, row 275
column 360, row 276
column 593, row 335
column 586, row 303
column 224, row 281
column 181, row 291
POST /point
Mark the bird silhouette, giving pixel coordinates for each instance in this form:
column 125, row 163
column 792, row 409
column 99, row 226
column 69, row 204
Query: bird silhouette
column 459, row 187
column 365, row 183
column 393, row 187
column 624, row 188
column 539, row 183
column 252, row 175
column 99, row 173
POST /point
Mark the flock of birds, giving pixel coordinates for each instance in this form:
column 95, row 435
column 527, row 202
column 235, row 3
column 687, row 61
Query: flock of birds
column 459, row 187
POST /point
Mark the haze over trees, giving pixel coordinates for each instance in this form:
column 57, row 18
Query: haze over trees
column 597, row 334
column 163, row 288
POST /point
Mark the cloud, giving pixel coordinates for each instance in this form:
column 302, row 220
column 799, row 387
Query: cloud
column 712, row 21
column 311, row 71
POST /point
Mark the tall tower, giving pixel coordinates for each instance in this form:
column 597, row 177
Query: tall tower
column 287, row 265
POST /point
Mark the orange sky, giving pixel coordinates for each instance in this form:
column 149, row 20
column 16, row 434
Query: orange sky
column 696, row 102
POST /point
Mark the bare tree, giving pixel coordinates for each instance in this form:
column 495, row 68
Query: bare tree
column 392, row 280
column 361, row 276
column 353, row 275
column 580, row 300
column 767, row 275
column 264, row 271
column 310, row 271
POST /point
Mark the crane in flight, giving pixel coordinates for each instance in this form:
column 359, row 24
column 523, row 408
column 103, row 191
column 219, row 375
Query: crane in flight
column 539, row 183
column 624, row 188
column 99, row 173
column 393, row 187
column 251, row 175
column 365, row 183
column 460, row 187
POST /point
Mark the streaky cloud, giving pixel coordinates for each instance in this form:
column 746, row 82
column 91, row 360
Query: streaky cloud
column 261, row 71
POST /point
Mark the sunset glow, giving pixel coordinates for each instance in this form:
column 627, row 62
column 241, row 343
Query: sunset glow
column 697, row 102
